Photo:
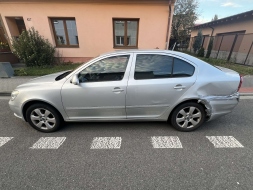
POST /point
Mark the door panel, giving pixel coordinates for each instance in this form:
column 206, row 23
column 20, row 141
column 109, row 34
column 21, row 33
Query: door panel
column 100, row 94
column 153, row 97
column 94, row 100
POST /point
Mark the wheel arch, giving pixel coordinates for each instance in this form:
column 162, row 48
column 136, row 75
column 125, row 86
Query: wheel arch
column 186, row 101
column 31, row 102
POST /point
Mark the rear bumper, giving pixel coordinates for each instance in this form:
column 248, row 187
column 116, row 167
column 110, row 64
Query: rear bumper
column 217, row 106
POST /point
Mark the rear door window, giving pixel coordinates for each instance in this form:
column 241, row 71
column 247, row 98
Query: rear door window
column 154, row 66
column 150, row 66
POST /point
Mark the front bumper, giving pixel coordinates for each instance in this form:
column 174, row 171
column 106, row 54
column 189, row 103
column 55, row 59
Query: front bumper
column 16, row 109
column 217, row 106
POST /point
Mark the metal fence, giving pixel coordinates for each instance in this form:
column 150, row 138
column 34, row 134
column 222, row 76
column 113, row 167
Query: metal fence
column 237, row 48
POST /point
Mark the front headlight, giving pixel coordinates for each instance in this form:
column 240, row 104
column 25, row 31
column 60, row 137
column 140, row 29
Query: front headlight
column 14, row 94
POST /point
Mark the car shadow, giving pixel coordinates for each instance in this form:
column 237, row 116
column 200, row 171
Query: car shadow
column 156, row 128
column 114, row 126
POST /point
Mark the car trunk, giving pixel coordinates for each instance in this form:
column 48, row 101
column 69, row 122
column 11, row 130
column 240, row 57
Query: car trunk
column 233, row 74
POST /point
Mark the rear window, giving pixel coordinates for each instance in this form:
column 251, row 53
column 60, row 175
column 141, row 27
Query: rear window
column 182, row 68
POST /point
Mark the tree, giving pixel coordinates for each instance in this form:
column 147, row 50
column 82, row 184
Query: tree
column 184, row 17
column 201, row 52
column 215, row 17
column 33, row 49
column 198, row 41
column 209, row 48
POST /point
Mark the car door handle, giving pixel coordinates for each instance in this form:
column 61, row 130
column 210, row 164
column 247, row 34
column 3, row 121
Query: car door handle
column 117, row 89
column 179, row 87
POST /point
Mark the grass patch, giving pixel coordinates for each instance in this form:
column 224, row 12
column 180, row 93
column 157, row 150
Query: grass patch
column 40, row 71
column 242, row 69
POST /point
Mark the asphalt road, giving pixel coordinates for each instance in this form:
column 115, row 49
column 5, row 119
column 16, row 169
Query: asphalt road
column 134, row 163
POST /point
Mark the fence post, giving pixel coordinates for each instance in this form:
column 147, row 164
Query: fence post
column 219, row 47
column 248, row 53
column 232, row 48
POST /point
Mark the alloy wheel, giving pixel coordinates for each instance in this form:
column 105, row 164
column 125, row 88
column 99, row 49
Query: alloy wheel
column 43, row 118
column 188, row 117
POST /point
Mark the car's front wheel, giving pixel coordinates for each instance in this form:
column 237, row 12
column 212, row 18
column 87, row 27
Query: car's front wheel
column 43, row 118
column 188, row 116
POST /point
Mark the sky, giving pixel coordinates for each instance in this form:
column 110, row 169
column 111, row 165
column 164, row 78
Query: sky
column 223, row 8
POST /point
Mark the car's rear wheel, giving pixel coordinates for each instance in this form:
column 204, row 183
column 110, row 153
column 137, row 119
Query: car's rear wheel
column 43, row 118
column 188, row 116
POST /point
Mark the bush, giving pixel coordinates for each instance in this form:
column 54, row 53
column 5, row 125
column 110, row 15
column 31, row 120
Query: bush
column 33, row 49
column 201, row 52
column 210, row 47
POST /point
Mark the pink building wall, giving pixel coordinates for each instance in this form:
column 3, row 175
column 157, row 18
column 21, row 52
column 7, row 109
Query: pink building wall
column 94, row 23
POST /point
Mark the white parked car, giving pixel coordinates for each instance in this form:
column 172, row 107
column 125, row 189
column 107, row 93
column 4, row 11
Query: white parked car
column 130, row 85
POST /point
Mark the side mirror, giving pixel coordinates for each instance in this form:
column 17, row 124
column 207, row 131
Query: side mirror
column 75, row 80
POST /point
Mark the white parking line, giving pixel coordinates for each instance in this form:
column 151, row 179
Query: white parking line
column 4, row 140
column 166, row 142
column 48, row 143
column 224, row 142
column 106, row 143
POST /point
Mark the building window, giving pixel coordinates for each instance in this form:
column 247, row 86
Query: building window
column 125, row 33
column 65, row 32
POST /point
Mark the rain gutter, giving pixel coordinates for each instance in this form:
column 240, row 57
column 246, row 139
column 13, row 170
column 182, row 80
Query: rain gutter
column 168, row 27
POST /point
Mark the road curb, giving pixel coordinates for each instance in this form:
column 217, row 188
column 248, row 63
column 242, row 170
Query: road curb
column 246, row 94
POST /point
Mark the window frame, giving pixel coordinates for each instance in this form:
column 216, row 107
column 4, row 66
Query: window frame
column 122, row 37
column 65, row 31
column 125, row 46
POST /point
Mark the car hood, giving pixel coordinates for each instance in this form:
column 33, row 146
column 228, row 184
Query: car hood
column 47, row 79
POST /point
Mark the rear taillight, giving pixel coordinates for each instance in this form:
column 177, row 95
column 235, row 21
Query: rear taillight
column 240, row 84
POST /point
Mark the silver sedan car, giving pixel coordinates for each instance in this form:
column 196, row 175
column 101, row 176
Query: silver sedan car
column 130, row 85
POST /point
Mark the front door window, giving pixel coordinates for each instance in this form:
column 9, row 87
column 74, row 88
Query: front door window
column 108, row 69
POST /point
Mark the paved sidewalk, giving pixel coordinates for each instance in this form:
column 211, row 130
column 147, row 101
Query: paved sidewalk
column 247, row 85
column 7, row 85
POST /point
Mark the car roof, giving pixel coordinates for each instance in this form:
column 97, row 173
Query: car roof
column 183, row 55
column 139, row 51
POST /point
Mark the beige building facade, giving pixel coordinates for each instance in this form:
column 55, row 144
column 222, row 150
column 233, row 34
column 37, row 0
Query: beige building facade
column 82, row 29
column 233, row 37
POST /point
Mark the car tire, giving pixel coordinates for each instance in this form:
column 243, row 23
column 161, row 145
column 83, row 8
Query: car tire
column 188, row 116
column 43, row 117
